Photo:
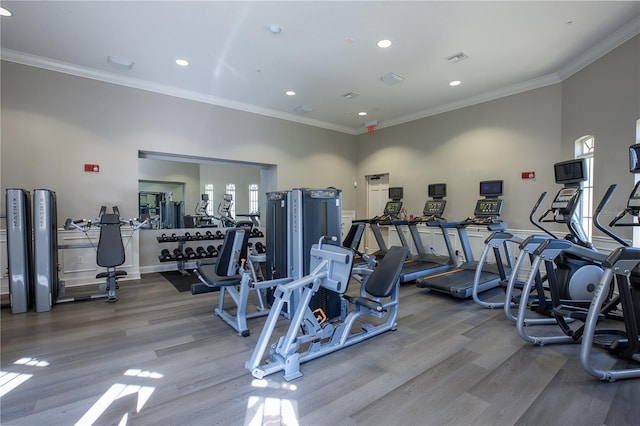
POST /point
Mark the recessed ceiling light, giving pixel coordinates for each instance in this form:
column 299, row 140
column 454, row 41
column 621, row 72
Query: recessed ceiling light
column 362, row 113
column 383, row 44
column 182, row 62
column 290, row 93
column 455, row 83
column 5, row 12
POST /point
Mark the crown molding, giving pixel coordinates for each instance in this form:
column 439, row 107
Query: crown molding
column 136, row 83
column 622, row 35
column 616, row 39
column 513, row 89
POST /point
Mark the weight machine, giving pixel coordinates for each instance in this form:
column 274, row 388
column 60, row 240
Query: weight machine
column 331, row 269
column 110, row 251
column 235, row 273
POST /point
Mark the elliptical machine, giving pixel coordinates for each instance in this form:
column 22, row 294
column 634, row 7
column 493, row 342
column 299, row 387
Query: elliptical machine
column 573, row 267
column 623, row 264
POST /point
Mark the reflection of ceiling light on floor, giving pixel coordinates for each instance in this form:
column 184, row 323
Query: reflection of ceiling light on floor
column 5, row 12
column 303, row 109
column 120, row 62
column 350, row 95
column 182, row 62
column 455, row 83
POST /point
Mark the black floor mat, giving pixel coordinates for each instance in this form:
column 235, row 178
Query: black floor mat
column 181, row 282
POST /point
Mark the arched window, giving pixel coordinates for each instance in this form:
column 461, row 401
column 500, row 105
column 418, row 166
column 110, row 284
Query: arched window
column 585, row 148
column 208, row 189
column 253, row 198
column 231, row 189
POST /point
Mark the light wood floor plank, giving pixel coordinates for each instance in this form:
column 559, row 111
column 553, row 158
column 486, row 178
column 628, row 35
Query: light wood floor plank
column 449, row 362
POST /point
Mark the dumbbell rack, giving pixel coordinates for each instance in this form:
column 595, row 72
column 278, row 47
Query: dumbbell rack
column 179, row 254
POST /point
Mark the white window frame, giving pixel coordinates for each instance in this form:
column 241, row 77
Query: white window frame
column 585, row 148
column 254, row 207
column 230, row 188
column 208, row 189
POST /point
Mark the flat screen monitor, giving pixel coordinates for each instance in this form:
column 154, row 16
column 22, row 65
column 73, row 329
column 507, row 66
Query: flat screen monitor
column 634, row 158
column 392, row 208
column 634, row 200
column 491, row 188
column 396, row 193
column 437, row 190
column 434, row 208
column 571, row 171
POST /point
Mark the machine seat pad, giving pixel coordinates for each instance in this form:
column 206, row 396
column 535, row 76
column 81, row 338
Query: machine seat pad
column 207, row 272
column 384, row 277
column 366, row 302
column 116, row 273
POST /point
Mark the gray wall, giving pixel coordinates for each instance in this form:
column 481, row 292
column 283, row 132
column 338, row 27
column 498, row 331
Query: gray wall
column 603, row 100
column 502, row 138
column 53, row 123
column 493, row 140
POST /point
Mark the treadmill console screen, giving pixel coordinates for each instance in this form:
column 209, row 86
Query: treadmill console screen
column 486, row 208
column 392, row 208
column 434, row 208
column 634, row 200
column 564, row 197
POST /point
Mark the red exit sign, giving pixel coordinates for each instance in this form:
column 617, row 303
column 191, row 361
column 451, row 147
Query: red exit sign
column 94, row 168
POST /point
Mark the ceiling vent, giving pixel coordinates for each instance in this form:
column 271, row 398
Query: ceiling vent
column 350, row 95
column 120, row 62
column 303, row 109
column 460, row 56
column 391, row 78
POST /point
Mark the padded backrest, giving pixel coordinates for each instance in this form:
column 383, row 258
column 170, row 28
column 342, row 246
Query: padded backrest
column 233, row 249
column 352, row 240
column 386, row 275
column 110, row 251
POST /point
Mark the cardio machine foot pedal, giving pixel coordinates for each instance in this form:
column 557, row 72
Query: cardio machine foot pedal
column 574, row 312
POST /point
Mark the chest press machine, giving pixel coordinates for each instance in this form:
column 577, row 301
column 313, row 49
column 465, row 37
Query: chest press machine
column 331, row 268
column 234, row 275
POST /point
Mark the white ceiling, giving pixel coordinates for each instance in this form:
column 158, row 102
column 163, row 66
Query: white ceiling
column 325, row 49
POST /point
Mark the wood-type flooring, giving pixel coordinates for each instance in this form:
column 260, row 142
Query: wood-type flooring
column 160, row 357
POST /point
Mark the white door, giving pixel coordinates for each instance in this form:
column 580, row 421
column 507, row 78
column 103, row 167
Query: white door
column 377, row 197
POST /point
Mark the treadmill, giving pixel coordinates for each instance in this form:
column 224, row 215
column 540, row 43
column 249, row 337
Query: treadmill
column 390, row 213
column 425, row 264
column 458, row 282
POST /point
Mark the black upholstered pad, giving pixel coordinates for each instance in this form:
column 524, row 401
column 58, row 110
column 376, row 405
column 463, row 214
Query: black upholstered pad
column 385, row 275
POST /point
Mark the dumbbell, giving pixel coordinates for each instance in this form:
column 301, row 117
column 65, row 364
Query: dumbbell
column 209, row 235
column 190, row 253
column 260, row 248
column 212, row 252
column 164, row 237
column 219, row 235
column 199, row 236
column 165, row 254
column 174, row 237
column 178, row 253
column 201, row 252
column 187, row 236
column 219, row 248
